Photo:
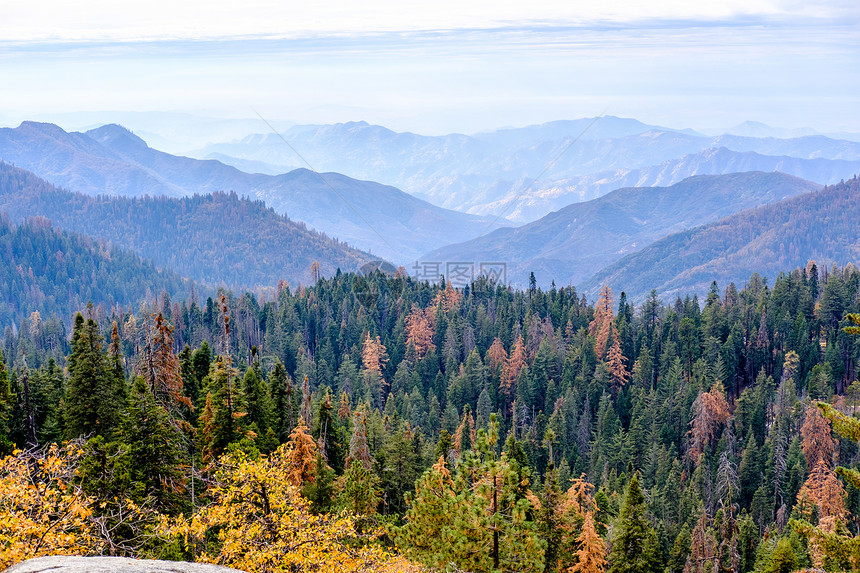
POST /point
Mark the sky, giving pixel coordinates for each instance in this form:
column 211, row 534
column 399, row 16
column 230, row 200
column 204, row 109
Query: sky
column 438, row 67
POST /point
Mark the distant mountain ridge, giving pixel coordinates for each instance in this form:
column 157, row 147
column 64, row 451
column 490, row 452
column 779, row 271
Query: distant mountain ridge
column 492, row 173
column 571, row 244
column 214, row 239
column 821, row 226
column 520, row 205
column 112, row 160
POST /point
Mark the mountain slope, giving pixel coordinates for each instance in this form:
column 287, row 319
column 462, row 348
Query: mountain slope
column 493, row 172
column 215, row 239
column 549, row 196
column 56, row 272
column 112, row 160
column 75, row 161
column 821, row 226
column 570, row 244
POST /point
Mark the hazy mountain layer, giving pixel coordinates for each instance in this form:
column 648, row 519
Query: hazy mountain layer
column 821, row 226
column 215, row 239
column 524, row 203
column 571, row 244
column 493, row 173
column 111, row 160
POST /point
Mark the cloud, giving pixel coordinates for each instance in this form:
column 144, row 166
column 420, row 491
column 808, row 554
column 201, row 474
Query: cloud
column 444, row 66
column 138, row 20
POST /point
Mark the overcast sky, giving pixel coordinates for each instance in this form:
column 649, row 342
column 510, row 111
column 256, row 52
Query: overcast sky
column 438, row 66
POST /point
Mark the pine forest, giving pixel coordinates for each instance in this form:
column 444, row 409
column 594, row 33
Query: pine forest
column 377, row 423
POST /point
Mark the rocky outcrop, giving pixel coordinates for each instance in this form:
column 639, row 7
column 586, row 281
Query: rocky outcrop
column 64, row 564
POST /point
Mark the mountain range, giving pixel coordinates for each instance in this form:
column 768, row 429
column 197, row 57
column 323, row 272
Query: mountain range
column 525, row 173
column 571, row 244
column 820, row 226
column 614, row 195
column 518, row 205
column 111, row 160
column 215, row 239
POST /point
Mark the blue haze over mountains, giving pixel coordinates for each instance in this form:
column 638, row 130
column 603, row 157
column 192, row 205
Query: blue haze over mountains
column 607, row 189
column 111, row 160
column 492, row 173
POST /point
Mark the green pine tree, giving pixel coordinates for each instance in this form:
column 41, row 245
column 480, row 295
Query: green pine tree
column 94, row 397
column 635, row 547
column 257, row 404
column 6, row 404
column 281, row 390
column 155, row 452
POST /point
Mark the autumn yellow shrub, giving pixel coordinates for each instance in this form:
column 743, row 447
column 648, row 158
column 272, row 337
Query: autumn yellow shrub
column 258, row 521
column 42, row 512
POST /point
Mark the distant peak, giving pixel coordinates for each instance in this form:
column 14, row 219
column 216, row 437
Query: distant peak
column 41, row 127
column 114, row 135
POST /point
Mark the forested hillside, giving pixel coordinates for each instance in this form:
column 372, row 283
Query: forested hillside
column 481, row 428
column 53, row 274
column 110, row 160
column 820, row 226
column 561, row 246
column 217, row 239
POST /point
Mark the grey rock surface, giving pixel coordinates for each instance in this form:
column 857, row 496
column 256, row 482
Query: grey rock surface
column 64, row 564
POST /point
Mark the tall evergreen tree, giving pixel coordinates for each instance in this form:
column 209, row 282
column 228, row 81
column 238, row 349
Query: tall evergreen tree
column 155, row 450
column 94, row 396
column 281, row 389
column 6, row 405
column 635, row 546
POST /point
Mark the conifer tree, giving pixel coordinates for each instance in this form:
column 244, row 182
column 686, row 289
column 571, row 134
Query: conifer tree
column 359, row 490
column 374, row 356
column 456, row 519
column 93, row 400
column 302, row 456
column 465, row 436
column 28, row 410
column 496, row 356
column 343, row 410
column 155, row 451
column 225, row 425
column 419, row 331
column 783, row 559
column 551, row 516
column 328, row 435
column 358, row 448
column 201, row 360
column 600, row 326
column 257, row 404
column 591, row 555
column 6, row 404
column 635, row 547
column 305, row 414
column 426, row 535
column 206, row 429
column 817, row 444
column 281, row 388
column 616, row 361
column 190, row 383
column 825, row 490
column 511, row 371
column 160, row 367
column 710, row 411
column 702, row 548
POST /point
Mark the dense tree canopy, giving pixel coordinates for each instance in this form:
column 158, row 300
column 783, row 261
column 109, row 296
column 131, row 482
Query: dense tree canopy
column 531, row 431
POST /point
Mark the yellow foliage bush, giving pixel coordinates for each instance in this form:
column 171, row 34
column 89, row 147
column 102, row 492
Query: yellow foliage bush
column 42, row 512
column 257, row 521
